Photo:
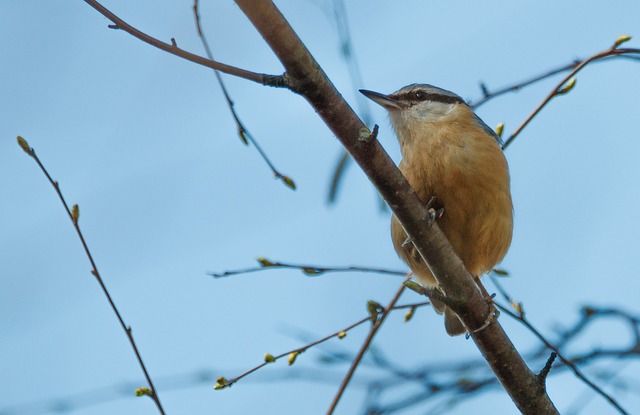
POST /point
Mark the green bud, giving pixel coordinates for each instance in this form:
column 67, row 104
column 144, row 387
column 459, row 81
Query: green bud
column 311, row 271
column 242, row 136
column 409, row 314
column 500, row 129
column 414, row 286
column 288, row 181
column 373, row 308
column 25, row 146
column 75, row 213
column 292, row 358
column 621, row 39
column 264, row 262
column 144, row 392
column 518, row 307
column 221, row 383
column 567, row 87
column 268, row 358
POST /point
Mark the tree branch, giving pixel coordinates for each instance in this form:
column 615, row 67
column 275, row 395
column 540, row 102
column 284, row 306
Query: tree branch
column 356, row 362
column 307, row 78
column 243, row 132
column 309, row 270
column 521, row 318
column 74, row 215
column 279, row 81
column 558, row 90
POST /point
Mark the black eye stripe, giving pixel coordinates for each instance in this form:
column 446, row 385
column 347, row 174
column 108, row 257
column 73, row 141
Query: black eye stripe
column 413, row 97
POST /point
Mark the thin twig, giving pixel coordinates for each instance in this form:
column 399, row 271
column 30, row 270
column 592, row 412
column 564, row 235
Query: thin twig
column 74, row 216
column 339, row 13
column 520, row 316
column 242, row 130
column 279, row 81
column 566, row 361
column 338, row 334
column 460, row 379
column 356, row 362
column 303, row 70
column 309, row 270
column 557, row 90
column 489, row 95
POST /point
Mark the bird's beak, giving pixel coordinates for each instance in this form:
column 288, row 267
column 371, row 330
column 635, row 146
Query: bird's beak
column 381, row 99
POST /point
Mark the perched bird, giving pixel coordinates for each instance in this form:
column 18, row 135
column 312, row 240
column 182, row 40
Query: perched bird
column 454, row 160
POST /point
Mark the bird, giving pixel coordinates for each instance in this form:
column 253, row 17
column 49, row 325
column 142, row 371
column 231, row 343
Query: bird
column 456, row 165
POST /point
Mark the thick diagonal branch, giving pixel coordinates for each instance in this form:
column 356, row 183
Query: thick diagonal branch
column 307, row 78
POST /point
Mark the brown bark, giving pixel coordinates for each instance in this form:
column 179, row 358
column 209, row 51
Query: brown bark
column 306, row 78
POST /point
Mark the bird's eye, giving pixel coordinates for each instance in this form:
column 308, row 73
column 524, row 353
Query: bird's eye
column 420, row 95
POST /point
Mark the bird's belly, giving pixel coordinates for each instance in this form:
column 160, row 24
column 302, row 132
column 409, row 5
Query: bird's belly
column 477, row 218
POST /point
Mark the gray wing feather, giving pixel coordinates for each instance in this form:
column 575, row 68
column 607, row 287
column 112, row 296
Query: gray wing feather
column 488, row 130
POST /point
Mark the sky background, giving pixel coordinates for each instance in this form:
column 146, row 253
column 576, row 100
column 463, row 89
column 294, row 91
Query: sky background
column 144, row 143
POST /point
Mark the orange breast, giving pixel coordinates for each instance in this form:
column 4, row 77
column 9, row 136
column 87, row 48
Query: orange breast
column 468, row 174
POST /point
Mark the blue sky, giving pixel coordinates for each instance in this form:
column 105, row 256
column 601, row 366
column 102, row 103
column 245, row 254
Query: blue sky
column 144, row 143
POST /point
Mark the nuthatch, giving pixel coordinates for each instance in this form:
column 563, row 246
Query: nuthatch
column 454, row 160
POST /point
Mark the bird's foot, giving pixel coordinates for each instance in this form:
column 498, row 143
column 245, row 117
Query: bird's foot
column 494, row 313
column 431, row 201
column 434, row 214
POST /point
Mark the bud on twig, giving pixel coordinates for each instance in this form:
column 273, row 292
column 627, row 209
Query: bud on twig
column 501, row 272
column 620, row 40
column 144, row 392
column 414, row 286
column 409, row 314
column 75, row 213
column 264, row 262
column 567, row 87
column 292, row 358
column 25, row 146
column 221, row 383
column 373, row 308
column 289, row 182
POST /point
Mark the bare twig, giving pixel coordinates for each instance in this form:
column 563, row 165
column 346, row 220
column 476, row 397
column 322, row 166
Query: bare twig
column 547, row 367
column 292, row 354
column 305, row 77
column 264, row 79
column 311, row 82
column 522, row 319
column 614, row 50
column 74, row 214
column 452, row 382
column 242, row 130
column 372, row 332
column 520, row 316
column 309, row 270
column 489, row 95
column 344, row 160
column 339, row 13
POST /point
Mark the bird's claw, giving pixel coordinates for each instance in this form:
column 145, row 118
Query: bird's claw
column 434, row 214
column 494, row 313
